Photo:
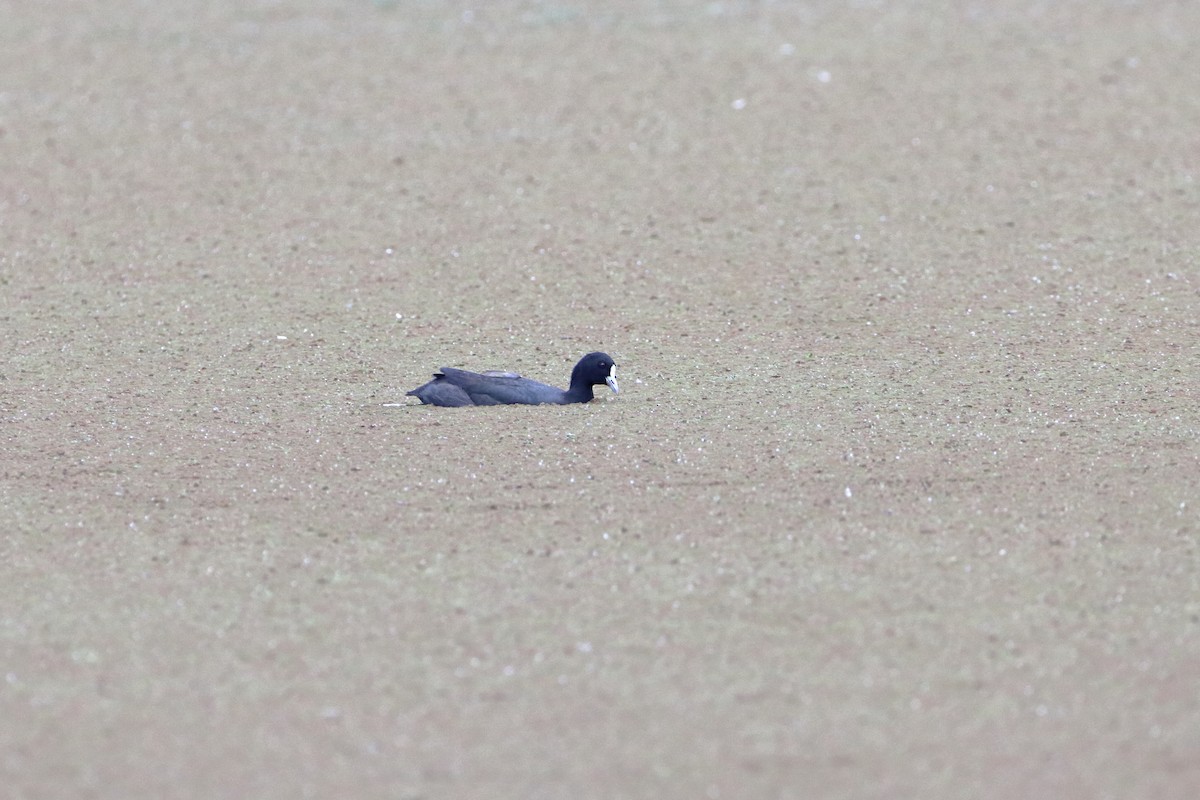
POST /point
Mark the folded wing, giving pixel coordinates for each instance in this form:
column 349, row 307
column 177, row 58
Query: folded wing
column 502, row 388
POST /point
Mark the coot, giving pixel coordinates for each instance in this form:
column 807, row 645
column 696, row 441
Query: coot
column 458, row 387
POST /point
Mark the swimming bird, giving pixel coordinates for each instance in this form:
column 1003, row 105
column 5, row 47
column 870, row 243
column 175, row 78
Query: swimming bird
column 458, row 387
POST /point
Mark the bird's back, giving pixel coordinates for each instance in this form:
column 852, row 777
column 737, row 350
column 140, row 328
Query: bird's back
column 502, row 388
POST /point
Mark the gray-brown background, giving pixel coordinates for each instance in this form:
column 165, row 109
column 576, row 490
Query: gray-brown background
column 899, row 499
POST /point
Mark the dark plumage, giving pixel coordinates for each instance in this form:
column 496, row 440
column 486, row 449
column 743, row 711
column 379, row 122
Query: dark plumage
column 458, row 387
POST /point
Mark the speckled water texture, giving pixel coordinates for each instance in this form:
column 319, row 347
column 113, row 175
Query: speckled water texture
column 899, row 498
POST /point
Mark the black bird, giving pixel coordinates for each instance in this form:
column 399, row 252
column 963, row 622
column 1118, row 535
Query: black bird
column 458, row 387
